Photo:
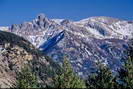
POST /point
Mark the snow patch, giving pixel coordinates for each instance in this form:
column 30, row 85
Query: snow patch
column 58, row 21
column 4, row 28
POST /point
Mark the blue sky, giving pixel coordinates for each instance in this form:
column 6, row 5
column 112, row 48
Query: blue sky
column 18, row 11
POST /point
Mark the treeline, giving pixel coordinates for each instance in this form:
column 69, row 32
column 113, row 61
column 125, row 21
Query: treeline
column 102, row 78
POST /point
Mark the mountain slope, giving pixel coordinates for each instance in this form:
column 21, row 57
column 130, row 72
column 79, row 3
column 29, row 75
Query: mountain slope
column 15, row 52
column 85, row 41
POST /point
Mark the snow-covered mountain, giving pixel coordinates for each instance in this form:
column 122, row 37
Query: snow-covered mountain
column 4, row 28
column 85, row 41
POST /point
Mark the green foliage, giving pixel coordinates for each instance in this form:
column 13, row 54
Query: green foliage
column 26, row 79
column 129, row 78
column 102, row 78
column 67, row 79
column 126, row 74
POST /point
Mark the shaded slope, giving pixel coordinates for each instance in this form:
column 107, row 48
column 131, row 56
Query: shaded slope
column 85, row 41
column 15, row 52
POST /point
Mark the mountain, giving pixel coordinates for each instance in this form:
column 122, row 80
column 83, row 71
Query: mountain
column 15, row 52
column 86, row 41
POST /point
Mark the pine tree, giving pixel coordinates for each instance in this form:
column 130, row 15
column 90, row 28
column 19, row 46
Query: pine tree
column 102, row 78
column 126, row 74
column 67, row 79
column 26, row 79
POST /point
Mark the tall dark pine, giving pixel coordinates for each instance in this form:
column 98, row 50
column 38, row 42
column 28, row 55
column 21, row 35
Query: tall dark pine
column 126, row 73
column 67, row 79
column 102, row 78
column 26, row 79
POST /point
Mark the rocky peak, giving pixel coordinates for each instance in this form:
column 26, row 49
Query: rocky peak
column 85, row 41
column 42, row 21
column 65, row 22
column 41, row 17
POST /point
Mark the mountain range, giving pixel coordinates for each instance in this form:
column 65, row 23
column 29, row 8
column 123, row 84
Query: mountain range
column 86, row 42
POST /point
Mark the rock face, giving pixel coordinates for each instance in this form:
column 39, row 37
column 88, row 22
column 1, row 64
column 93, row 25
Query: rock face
column 15, row 52
column 85, row 41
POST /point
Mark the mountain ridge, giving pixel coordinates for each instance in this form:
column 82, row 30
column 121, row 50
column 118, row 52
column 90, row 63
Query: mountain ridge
column 85, row 41
column 15, row 53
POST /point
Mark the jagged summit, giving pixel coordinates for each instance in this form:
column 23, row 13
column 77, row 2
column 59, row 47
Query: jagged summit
column 84, row 41
column 41, row 16
column 42, row 20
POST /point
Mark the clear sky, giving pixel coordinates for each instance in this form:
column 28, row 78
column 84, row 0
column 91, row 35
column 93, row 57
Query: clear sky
column 18, row 11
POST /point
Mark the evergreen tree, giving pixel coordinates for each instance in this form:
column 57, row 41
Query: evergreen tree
column 26, row 79
column 126, row 74
column 102, row 78
column 67, row 79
